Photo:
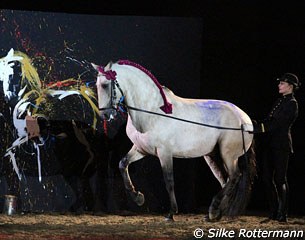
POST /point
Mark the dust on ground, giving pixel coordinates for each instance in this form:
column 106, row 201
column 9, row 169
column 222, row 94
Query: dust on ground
column 142, row 226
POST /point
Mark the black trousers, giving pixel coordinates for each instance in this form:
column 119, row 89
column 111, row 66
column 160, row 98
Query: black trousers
column 274, row 173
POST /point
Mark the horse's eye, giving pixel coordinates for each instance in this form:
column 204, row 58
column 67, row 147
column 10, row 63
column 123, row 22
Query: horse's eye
column 105, row 86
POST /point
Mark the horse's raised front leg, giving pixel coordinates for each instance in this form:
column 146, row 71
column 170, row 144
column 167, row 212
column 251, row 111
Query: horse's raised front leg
column 132, row 156
column 166, row 161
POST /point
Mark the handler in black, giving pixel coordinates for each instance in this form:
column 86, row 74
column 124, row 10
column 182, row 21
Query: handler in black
column 277, row 146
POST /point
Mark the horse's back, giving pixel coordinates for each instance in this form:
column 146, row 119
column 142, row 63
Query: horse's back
column 208, row 122
column 209, row 110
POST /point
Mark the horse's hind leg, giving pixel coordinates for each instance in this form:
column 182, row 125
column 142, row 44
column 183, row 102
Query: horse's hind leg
column 219, row 173
column 166, row 161
column 132, row 156
column 220, row 202
column 214, row 210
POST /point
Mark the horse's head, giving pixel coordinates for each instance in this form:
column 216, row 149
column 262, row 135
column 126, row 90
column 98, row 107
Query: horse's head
column 109, row 99
column 10, row 81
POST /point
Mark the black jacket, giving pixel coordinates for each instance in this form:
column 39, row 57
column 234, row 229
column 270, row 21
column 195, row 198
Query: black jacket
column 279, row 122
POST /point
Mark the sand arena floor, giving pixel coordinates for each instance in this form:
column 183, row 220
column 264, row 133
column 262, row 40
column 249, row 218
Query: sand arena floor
column 130, row 226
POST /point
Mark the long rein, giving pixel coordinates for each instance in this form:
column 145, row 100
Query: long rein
column 182, row 119
column 192, row 122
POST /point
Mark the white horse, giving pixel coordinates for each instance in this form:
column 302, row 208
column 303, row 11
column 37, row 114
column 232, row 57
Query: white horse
column 180, row 128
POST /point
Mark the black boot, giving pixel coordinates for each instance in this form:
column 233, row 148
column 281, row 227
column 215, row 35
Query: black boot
column 283, row 203
column 272, row 202
column 281, row 217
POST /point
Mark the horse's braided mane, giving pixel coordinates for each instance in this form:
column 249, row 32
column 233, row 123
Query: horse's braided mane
column 167, row 107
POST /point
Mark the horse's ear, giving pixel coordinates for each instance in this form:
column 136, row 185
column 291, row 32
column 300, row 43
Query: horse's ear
column 10, row 53
column 10, row 56
column 108, row 67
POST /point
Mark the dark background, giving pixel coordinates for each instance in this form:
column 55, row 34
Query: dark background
column 245, row 46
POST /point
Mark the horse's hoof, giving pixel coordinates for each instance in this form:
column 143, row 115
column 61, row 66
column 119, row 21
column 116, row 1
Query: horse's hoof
column 139, row 199
column 214, row 216
column 169, row 218
column 208, row 219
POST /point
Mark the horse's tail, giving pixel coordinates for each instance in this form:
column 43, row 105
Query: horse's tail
column 236, row 194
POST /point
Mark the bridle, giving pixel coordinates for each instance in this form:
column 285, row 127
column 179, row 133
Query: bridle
column 115, row 105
